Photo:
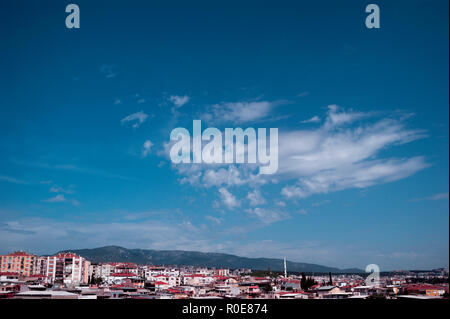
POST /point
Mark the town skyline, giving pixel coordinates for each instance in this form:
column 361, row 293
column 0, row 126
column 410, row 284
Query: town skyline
column 105, row 257
column 67, row 275
column 361, row 116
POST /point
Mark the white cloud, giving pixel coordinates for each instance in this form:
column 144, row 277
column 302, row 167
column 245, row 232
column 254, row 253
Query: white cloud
column 303, row 94
column 138, row 118
column 161, row 164
column 72, row 168
column 206, row 175
column 146, row 148
column 214, row 219
column 178, row 100
column 268, row 216
column 57, row 199
column 314, row 119
column 52, row 235
column 108, row 70
column 280, row 203
column 336, row 117
column 344, row 152
column 12, row 180
column 441, row 196
column 256, row 198
column 60, row 198
column 228, row 199
column 358, row 175
column 47, row 236
column 239, row 112
column 337, row 155
column 317, row 204
column 57, row 189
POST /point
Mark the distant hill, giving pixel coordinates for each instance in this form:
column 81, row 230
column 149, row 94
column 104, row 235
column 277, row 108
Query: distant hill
column 194, row 258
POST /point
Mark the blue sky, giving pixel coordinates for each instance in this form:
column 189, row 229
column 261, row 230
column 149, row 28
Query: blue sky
column 86, row 116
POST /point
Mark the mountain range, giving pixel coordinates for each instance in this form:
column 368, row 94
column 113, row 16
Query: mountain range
column 195, row 258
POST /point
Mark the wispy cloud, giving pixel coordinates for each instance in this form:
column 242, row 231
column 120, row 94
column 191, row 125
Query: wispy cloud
column 57, row 199
column 215, row 220
column 341, row 155
column 303, row 94
column 60, row 198
column 183, row 235
column 179, row 101
column 228, row 199
column 267, row 216
column 439, row 196
column 108, row 70
column 355, row 175
column 137, row 118
column 73, row 168
column 150, row 234
column 146, row 148
column 240, row 112
column 58, row 189
column 336, row 116
column 255, row 197
column 323, row 202
column 13, row 180
column 314, row 119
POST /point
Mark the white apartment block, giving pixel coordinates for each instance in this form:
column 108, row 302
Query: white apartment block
column 68, row 268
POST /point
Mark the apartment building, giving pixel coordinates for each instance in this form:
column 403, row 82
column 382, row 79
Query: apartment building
column 68, row 268
column 18, row 262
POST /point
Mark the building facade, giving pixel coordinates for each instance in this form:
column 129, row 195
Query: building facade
column 68, row 268
column 18, row 262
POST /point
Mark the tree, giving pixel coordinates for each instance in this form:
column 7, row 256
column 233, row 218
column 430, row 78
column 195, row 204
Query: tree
column 306, row 282
column 330, row 283
column 303, row 282
column 266, row 288
column 96, row 280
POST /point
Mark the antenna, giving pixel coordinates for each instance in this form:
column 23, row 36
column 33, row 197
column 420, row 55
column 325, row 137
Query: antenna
column 285, row 268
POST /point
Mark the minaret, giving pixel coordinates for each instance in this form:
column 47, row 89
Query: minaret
column 285, row 268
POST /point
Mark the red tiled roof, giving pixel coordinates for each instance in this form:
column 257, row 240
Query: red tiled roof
column 9, row 274
column 66, row 255
column 291, row 292
column 424, row 287
column 160, row 283
column 174, row 291
column 20, row 253
column 123, row 274
column 127, row 265
column 122, row 286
